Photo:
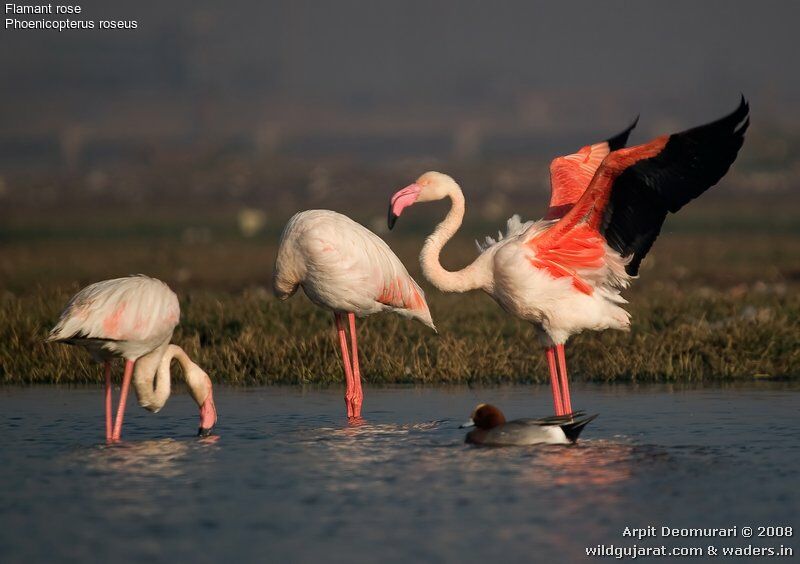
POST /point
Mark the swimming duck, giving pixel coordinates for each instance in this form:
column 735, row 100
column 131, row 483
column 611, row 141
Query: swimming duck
column 492, row 429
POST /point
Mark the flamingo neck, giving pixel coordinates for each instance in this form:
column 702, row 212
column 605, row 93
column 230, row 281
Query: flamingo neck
column 152, row 377
column 468, row 278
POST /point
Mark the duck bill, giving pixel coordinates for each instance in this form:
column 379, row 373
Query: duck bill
column 467, row 424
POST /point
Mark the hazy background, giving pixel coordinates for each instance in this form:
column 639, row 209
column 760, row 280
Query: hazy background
column 213, row 122
column 89, row 115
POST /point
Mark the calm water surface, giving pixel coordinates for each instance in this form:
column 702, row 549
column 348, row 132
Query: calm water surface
column 286, row 479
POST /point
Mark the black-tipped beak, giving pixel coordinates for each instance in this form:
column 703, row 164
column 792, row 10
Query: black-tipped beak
column 467, row 424
column 203, row 432
column 391, row 219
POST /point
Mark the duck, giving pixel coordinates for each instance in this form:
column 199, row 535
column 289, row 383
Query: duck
column 492, row 429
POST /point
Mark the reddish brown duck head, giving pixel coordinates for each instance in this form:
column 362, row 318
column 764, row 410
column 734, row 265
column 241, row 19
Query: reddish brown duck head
column 485, row 416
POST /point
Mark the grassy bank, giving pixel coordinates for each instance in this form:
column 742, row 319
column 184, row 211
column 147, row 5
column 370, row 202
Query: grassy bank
column 711, row 303
column 249, row 338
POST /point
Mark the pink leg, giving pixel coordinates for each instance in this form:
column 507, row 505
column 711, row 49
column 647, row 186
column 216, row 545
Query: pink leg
column 358, row 395
column 108, row 400
column 554, row 383
column 348, row 369
column 562, row 368
column 123, row 399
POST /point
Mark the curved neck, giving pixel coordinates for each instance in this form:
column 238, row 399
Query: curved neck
column 468, row 278
column 152, row 377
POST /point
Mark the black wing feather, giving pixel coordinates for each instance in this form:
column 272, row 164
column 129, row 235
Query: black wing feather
column 621, row 139
column 690, row 163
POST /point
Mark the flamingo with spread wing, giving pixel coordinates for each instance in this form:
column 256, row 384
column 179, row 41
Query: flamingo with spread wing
column 344, row 267
column 564, row 273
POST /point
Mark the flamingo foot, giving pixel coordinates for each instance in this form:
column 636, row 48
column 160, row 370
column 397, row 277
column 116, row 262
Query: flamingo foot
column 356, row 421
column 208, row 416
column 354, row 410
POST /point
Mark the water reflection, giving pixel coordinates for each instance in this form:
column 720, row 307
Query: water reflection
column 133, row 478
column 133, row 462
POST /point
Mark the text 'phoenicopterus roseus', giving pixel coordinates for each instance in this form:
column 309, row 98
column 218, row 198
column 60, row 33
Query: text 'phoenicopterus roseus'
column 346, row 268
column 564, row 273
column 134, row 318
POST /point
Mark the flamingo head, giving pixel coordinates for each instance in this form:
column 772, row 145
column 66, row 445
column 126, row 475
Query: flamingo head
column 429, row 187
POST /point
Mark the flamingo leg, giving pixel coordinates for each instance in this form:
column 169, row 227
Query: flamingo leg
column 558, row 405
column 108, row 399
column 358, row 395
column 123, row 399
column 562, row 368
column 348, row 369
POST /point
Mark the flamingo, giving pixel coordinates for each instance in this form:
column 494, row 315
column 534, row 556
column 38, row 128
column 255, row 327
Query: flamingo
column 564, row 273
column 134, row 318
column 344, row 267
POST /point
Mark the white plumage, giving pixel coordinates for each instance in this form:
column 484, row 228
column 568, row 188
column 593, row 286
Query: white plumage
column 344, row 267
column 551, row 303
column 127, row 317
column 134, row 318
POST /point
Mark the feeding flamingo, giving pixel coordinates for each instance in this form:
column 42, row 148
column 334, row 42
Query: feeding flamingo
column 564, row 273
column 346, row 268
column 134, row 318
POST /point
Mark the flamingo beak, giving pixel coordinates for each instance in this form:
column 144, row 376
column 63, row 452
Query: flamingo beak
column 401, row 200
column 208, row 414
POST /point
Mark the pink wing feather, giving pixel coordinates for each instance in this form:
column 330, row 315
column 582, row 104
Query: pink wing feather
column 570, row 175
column 136, row 308
column 574, row 243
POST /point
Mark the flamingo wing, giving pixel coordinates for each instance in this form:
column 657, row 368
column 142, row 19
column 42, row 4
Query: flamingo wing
column 391, row 284
column 632, row 191
column 570, row 175
column 353, row 267
column 135, row 308
column 576, row 256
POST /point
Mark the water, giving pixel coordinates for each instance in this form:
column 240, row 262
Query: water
column 287, row 480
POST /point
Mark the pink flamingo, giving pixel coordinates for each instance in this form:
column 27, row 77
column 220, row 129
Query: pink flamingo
column 346, row 268
column 564, row 273
column 134, row 318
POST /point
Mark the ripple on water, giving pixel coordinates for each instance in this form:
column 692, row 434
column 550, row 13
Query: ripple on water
column 286, row 478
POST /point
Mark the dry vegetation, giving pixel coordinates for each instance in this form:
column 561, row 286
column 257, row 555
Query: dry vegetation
column 717, row 300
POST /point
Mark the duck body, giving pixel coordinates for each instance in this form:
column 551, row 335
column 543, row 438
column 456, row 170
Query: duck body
column 491, row 428
column 519, row 432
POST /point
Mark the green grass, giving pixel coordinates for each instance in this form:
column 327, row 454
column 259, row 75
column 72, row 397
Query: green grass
column 250, row 338
column 712, row 303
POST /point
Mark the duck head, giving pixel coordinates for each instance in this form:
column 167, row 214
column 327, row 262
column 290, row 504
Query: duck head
column 485, row 416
